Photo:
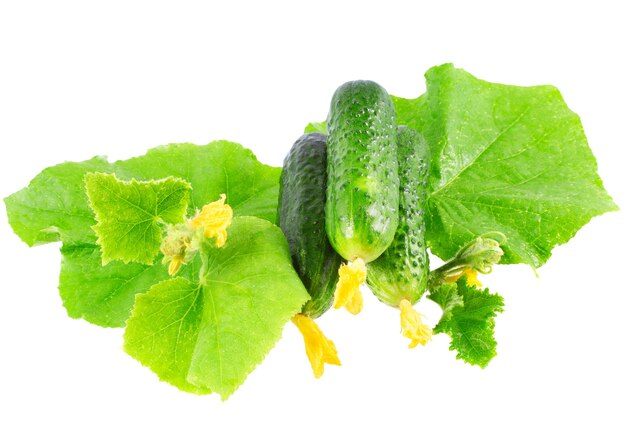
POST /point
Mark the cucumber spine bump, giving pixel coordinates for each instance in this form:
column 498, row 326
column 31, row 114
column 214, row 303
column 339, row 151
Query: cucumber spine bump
column 363, row 185
column 301, row 216
column 402, row 271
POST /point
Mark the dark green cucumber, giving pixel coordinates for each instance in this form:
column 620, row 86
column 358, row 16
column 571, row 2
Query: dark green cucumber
column 401, row 272
column 301, row 217
column 362, row 198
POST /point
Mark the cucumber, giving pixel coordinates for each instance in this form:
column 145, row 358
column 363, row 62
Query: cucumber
column 301, row 217
column 401, row 272
column 362, row 197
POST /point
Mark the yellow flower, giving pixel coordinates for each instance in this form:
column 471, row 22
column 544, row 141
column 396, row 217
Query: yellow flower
column 471, row 274
column 472, row 278
column 319, row 349
column 412, row 325
column 215, row 218
column 347, row 293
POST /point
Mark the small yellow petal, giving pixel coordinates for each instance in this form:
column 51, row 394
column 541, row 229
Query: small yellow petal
column 177, row 261
column 319, row 349
column 412, row 325
column 471, row 274
column 347, row 292
column 215, row 218
column 472, row 278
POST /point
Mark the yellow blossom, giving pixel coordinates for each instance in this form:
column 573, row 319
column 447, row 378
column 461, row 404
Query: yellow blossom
column 471, row 274
column 174, row 266
column 412, row 325
column 319, row 349
column 215, row 218
column 347, row 292
column 472, row 278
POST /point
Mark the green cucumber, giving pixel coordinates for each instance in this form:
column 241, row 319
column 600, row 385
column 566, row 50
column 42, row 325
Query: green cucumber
column 401, row 272
column 301, row 217
column 362, row 198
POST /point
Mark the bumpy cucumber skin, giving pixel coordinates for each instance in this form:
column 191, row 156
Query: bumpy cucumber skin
column 301, row 217
column 402, row 270
column 362, row 197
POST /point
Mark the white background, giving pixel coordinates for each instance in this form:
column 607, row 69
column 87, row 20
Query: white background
column 116, row 78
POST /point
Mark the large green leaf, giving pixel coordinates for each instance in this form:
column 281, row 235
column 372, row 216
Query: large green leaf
column 209, row 334
column 163, row 330
column 468, row 318
column 504, row 158
column 219, row 167
column 103, row 295
column 54, row 207
column 131, row 214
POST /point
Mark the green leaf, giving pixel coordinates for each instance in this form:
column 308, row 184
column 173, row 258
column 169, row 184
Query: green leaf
column 208, row 335
column 447, row 296
column 103, row 295
column 409, row 111
column 468, row 318
column 219, row 167
column 163, row 330
column 316, row 127
column 54, row 207
column 131, row 214
column 504, row 158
